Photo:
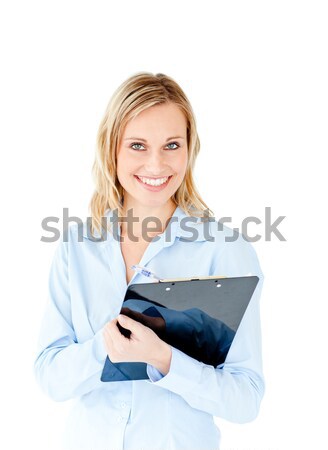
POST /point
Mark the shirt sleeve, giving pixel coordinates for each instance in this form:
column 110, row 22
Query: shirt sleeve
column 64, row 368
column 233, row 390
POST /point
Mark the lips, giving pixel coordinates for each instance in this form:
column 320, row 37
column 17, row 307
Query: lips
column 139, row 177
column 153, row 178
column 152, row 187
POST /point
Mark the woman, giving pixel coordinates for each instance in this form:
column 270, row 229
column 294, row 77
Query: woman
column 147, row 147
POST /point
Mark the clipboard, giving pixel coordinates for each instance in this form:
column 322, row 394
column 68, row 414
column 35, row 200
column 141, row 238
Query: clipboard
column 199, row 316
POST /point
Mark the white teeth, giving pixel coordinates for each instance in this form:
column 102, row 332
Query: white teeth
column 152, row 182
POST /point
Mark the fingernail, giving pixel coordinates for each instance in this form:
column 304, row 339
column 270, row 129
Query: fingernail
column 121, row 318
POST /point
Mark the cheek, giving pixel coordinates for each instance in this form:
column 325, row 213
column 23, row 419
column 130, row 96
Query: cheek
column 181, row 163
column 118, row 161
column 122, row 172
column 124, row 164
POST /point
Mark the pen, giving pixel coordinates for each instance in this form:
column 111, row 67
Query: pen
column 144, row 271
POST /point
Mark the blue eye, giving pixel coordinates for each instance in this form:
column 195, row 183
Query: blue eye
column 174, row 143
column 138, row 146
column 136, row 143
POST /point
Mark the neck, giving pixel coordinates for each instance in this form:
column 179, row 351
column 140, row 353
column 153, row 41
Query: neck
column 142, row 220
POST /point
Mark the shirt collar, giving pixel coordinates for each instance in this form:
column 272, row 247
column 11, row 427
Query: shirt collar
column 181, row 225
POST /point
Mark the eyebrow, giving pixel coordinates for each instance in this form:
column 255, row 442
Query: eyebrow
column 144, row 140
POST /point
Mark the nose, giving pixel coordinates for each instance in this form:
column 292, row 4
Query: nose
column 155, row 164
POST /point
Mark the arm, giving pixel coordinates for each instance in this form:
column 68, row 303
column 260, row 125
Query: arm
column 234, row 389
column 192, row 331
column 63, row 367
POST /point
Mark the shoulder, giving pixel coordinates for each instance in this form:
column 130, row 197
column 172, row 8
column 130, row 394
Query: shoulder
column 230, row 250
column 80, row 232
column 76, row 244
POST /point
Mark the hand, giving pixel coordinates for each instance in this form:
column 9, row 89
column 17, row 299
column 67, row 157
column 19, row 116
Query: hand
column 157, row 324
column 143, row 345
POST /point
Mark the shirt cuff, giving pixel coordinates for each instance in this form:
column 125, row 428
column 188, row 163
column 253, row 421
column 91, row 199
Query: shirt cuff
column 153, row 373
column 184, row 372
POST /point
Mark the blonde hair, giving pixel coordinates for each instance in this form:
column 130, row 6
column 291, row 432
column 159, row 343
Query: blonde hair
column 137, row 93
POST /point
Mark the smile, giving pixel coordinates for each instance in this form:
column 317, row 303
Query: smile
column 153, row 181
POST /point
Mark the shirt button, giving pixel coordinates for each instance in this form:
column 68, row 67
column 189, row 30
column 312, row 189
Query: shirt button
column 123, row 404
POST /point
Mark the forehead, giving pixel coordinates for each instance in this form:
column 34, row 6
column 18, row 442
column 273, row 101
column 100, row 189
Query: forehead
column 163, row 118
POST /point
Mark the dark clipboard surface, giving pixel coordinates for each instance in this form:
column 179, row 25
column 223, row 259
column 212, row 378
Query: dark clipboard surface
column 199, row 317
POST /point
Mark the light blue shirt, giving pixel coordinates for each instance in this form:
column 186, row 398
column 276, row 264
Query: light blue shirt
column 87, row 284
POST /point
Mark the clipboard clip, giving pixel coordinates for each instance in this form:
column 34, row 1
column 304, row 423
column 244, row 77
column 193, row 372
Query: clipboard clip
column 196, row 278
column 148, row 273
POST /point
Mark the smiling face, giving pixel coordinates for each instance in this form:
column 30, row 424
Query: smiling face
column 152, row 156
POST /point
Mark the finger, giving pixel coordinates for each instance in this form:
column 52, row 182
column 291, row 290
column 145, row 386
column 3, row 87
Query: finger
column 107, row 331
column 111, row 330
column 108, row 328
column 111, row 325
column 115, row 340
column 130, row 324
column 118, row 335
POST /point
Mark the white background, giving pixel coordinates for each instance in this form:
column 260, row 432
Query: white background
column 256, row 75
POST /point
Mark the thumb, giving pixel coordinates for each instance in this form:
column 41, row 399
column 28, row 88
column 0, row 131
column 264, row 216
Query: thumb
column 127, row 322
